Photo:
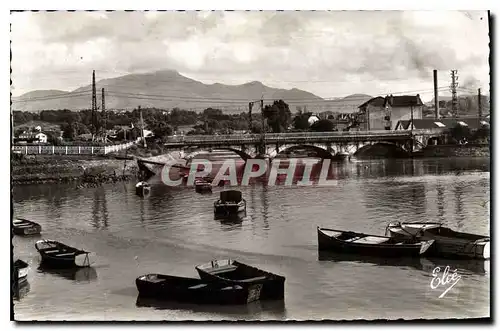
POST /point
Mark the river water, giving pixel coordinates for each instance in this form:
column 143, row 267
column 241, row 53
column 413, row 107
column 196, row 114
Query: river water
column 173, row 230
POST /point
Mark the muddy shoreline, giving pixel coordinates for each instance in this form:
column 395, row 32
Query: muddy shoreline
column 83, row 170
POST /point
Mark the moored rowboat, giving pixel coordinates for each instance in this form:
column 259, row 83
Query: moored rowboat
column 232, row 272
column 230, row 203
column 365, row 244
column 448, row 243
column 24, row 227
column 142, row 189
column 20, row 271
column 59, row 255
column 191, row 290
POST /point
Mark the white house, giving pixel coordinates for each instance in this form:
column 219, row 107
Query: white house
column 312, row 119
column 42, row 137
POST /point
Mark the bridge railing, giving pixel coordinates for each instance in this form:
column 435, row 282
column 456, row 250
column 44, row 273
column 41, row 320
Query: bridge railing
column 294, row 135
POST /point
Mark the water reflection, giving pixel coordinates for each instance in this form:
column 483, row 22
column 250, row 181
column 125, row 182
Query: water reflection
column 273, row 309
column 232, row 219
column 415, row 263
column 426, row 264
column 79, row 275
column 480, row 267
column 440, row 202
column 99, row 209
column 458, row 191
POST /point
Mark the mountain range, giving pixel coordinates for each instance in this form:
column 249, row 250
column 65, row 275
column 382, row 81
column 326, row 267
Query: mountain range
column 167, row 89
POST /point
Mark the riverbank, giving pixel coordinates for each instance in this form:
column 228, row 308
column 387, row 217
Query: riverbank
column 40, row 169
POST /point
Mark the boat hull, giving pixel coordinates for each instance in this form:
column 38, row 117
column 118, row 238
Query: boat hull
column 142, row 190
column 20, row 270
column 197, row 291
column 447, row 243
column 225, row 209
column 57, row 255
column 329, row 243
column 272, row 285
column 26, row 228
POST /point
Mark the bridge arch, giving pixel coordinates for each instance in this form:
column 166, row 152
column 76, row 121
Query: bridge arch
column 389, row 146
column 320, row 151
column 240, row 153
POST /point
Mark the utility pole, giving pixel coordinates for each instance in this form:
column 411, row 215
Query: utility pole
column 436, row 95
column 142, row 128
column 103, row 107
column 262, row 112
column 479, row 105
column 250, row 106
column 263, row 143
column 94, row 106
column 453, row 89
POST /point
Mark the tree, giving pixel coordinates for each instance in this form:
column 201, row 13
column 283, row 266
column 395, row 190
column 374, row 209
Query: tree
column 322, row 126
column 301, row 121
column 161, row 130
column 278, row 116
column 68, row 131
column 460, row 133
column 482, row 134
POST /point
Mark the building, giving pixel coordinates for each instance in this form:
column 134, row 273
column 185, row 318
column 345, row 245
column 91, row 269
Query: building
column 313, row 119
column 32, row 138
column 441, row 124
column 381, row 113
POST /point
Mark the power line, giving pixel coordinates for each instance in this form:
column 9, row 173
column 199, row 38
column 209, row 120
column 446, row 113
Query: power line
column 157, row 97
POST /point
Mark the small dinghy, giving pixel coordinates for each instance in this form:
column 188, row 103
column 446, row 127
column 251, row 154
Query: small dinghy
column 192, row 290
column 364, row 244
column 142, row 189
column 24, row 227
column 202, row 186
column 230, row 203
column 20, row 271
column 59, row 255
column 270, row 286
column 448, row 243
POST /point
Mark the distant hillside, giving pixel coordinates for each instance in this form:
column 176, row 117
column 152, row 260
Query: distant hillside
column 168, row 89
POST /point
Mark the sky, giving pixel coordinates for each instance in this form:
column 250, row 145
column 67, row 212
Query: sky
column 329, row 53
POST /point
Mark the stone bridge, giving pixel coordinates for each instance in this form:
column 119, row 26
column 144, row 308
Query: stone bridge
column 324, row 144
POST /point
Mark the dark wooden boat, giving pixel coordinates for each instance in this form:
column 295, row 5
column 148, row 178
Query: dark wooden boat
column 364, row 244
column 142, row 189
column 20, row 271
column 24, row 227
column 236, row 273
column 230, row 203
column 192, row 290
column 59, row 255
column 202, row 186
column 447, row 242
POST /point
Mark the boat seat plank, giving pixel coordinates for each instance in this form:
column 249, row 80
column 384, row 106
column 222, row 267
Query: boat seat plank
column 155, row 280
column 221, row 269
column 24, row 225
column 197, row 286
column 253, row 279
column 372, row 240
column 50, row 251
column 64, row 254
column 352, row 239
